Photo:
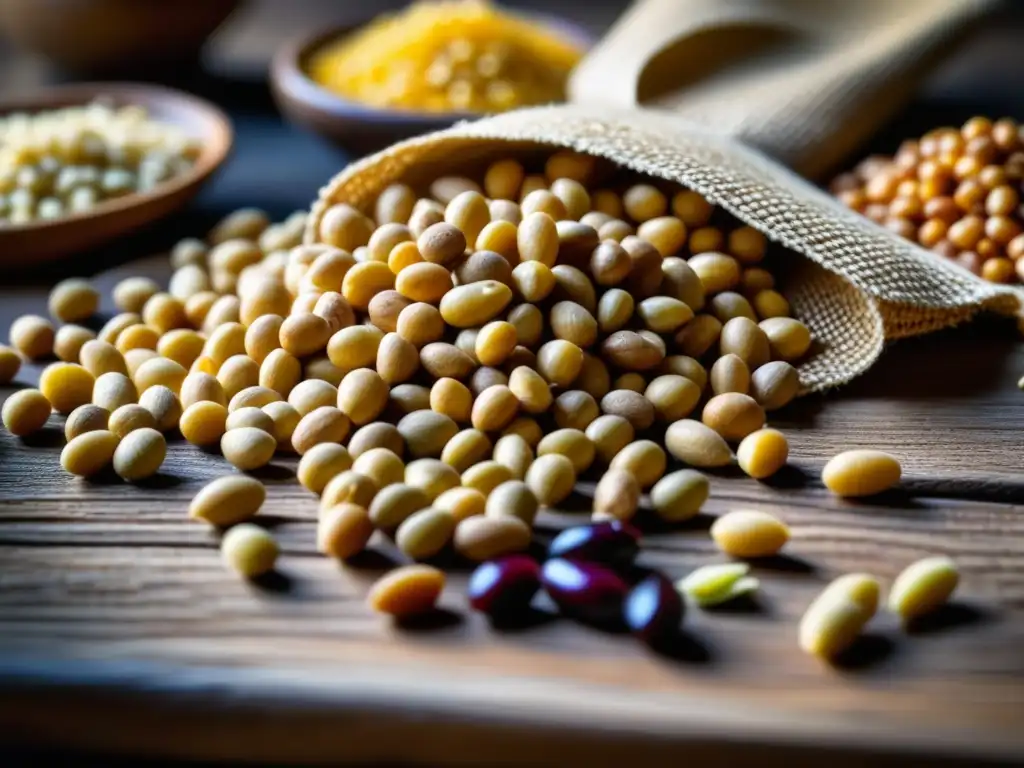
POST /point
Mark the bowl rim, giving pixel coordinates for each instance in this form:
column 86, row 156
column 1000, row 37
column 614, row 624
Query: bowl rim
column 289, row 76
column 217, row 140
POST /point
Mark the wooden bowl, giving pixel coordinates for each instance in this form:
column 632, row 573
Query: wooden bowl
column 108, row 36
column 355, row 126
column 31, row 243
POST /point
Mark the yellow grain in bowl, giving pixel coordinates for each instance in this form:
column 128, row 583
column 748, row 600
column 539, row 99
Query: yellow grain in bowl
column 451, row 55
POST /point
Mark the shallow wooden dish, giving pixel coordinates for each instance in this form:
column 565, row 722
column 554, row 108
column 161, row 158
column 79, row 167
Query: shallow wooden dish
column 30, row 244
column 359, row 127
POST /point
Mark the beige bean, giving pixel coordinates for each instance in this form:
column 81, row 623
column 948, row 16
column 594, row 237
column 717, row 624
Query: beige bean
column 85, row 418
column 112, row 390
column 362, row 395
column 730, row 374
column 381, row 466
column 923, row 586
column 617, row 495
column 609, row 434
column 89, row 453
column 132, row 293
column 515, row 453
column 425, row 533
column 861, row 472
column 836, row 617
column 73, row 300
column 673, row 397
column 528, row 322
column 394, row 504
column 32, row 336
column 99, row 357
column 485, row 476
column 376, row 435
column 238, row 373
column 462, row 502
column 632, row 406
column 354, row 347
column 733, row 416
column 140, row 454
column 452, row 398
column 420, row 324
column 426, row 433
column 774, row 384
column 494, row 408
column 407, row 591
column 699, row 335
column 432, row 476
column 250, row 417
column 228, row 500
column 112, row 328
column 789, row 339
column 742, row 337
column 248, row 448
column 325, row 424
column 749, row 533
column 253, row 396
column 348, row 486
column 304, row 334
column 551, row 478
column 128, row 418
column 263, row 336
column 763, row 453
column 204, row 422
column 343, row 530
column 249, row 550
column 68, row 342
column 66, row 386
column 465, row 449
column 397, row 359
column 479, row 538
column 645, row 459
column 680, row 495
column 631, row 351
column 442, row 243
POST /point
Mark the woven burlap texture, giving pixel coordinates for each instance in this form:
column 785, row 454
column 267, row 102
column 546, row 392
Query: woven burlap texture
column 861, row 285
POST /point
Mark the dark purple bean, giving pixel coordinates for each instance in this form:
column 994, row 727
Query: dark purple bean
column 584, row 590
column 504, row 586
column 653, row 609
column 613, row 542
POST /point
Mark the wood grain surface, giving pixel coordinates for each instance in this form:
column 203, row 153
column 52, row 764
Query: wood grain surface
column 121, row 630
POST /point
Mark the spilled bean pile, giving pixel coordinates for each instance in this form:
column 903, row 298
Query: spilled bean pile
column 446, row 366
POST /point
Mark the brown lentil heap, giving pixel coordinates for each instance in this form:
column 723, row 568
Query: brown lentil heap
column 955, row 191
column 446, row 365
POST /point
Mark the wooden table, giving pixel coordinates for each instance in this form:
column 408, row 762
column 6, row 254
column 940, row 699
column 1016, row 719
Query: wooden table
column 120, row 631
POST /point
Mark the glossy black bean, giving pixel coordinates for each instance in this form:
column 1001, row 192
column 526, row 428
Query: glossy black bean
column 612, row 542
column 653, row 609
column 584, row 590
column 504, row 586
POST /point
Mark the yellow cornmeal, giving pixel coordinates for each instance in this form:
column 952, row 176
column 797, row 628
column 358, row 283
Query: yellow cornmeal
column 462, row 55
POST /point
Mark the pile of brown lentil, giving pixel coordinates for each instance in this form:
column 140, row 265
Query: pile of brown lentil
column 448, row 365
column 954, row 191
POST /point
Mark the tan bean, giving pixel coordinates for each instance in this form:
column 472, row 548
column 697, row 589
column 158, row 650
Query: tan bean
column 505, row 210
column 362, row 395
column 923, row 586
column 238, row 372
column 513, row 498
column 732, row 415
column 515, row 453
column 749, row 533
column 673, row 397
column 480, row 538
column 376, row 435
column 442, row 243
column 617, row 495
column 85, row 418
column 68, row 342
column 469, row 212
column 394, row 504
column 228, row 500
column 472, row 305
column 354, row 347
column 485, row 476
column 140, row 454
column 835, row 618
column 249, row 550
column 466, row 448
column 73, row 299
column 494, row 408
column 730, row 374
column 559, row 361
column 132, row 293
column 25, row 412
column 614, row 310
column 425, row 533
column 861, row 472
column 348, row 486
column 730, row 305
column 679, row 495
column 528, row 322
column 571, row 443
column 717, row 271
column 452, row 398
column 426, row 433
column 247, row 447
column 462, row 503
column 253, row 396
column 385, row 238
column 89, row 453
column 632, row 406
column 551, row 478
column 166, row 372
column 789, row 339
column 446, row 360
column 112, row 390
column 631, row 351
column 250, row 417
column 763, row 453
column 645, row 459
column 407, row 591
column 134, row 358
column 66, row 386
column 205, row 422
column 325, row 424
column 344, row 227
column 574, row 196
column 130, row 417
column 334, row 308
column 164, row 313
column 420, row 324
column 609, row 434
column 645, row 274
column 499, row 237
column 343, row 530
column 394, row 204
column 527, row 428
column 503, row 179
column 425, row 214
column 495, row 342
column 537, row 238
column 32, row 336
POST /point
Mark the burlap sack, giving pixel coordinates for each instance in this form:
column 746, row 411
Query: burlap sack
column 861, row 284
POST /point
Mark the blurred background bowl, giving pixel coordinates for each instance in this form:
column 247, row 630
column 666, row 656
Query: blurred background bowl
column 26, row 245
column 358, row 127
column 106, row 36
